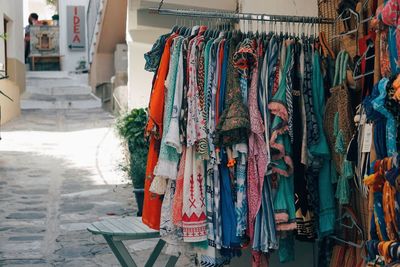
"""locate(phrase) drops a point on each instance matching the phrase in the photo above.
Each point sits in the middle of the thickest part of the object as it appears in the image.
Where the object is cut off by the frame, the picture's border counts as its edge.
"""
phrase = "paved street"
(59, 172)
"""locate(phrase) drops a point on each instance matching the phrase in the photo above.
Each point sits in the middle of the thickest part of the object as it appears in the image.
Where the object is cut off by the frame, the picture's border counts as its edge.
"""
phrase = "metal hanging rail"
(240, 16)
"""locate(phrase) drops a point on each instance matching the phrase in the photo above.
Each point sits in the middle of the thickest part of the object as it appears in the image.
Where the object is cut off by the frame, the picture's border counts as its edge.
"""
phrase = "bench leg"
(172, 261)
(156, 252)
(120, 251)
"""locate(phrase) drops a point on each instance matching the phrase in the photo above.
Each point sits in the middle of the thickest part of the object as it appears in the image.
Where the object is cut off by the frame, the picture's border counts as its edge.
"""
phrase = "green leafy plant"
(131, 128)
(52, 2)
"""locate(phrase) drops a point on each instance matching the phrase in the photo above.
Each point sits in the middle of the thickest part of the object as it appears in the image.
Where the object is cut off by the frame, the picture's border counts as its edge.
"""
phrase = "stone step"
(49, 79)
(59, 90)
(50, 82)
(42, 101)
(55, 75)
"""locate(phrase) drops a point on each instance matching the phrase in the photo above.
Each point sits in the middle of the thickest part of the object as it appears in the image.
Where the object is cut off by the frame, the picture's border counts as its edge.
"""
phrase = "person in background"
(33, 20)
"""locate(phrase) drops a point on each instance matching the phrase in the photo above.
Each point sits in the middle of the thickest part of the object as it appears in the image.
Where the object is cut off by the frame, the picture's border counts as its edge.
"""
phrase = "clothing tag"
(367, 140)
(363, 119)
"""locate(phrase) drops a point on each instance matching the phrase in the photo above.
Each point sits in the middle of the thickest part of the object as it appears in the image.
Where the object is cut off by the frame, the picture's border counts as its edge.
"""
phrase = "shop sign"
(76, 28)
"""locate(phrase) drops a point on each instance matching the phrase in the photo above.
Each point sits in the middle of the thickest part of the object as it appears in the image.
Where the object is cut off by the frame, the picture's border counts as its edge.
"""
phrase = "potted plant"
(131, 128)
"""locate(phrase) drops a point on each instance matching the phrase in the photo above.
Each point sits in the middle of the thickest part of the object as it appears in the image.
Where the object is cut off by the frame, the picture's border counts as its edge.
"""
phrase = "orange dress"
(152, 202)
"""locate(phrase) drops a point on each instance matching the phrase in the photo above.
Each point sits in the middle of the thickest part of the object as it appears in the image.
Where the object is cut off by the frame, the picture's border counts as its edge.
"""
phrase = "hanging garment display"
(228, 110)
(258, 139)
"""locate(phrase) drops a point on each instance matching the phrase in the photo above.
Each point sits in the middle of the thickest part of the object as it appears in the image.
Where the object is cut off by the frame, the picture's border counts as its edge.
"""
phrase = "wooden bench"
(115, 231)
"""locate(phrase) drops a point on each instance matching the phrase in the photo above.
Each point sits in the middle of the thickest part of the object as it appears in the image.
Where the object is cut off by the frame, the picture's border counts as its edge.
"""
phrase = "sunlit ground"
(97, 151)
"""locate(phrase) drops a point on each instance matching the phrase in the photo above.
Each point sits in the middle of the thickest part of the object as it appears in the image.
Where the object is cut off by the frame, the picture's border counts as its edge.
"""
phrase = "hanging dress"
(304, 212)
(152, 202)
(265, 238)
(246, 61)
(194, 219)
(168, 159)
(321, 150)
(281, 150)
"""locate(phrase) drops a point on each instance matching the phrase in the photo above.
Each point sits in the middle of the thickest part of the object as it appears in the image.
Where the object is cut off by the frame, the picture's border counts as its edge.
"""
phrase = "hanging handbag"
(338, 118)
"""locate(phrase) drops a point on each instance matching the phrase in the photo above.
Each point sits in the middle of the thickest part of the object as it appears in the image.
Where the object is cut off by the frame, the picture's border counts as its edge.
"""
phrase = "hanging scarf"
(389, 14)
(391, 130)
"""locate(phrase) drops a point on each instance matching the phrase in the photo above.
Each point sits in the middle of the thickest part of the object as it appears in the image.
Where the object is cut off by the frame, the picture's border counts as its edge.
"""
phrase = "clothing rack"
(240, 16)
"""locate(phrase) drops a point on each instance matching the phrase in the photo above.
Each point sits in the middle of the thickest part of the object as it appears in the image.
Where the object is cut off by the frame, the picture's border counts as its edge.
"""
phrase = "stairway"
(58, 90)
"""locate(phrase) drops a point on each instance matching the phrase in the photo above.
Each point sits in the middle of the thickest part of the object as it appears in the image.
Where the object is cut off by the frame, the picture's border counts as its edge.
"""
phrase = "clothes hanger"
(176, 26)
(263, 28)
(311, 37)
(245, 28)
(270, 27)
(293, 30)
(286, 35)
(224, 28)
(349, 215)
(207, 31)
(340, 18)
(250, 29)
(280, 29)
(359, 61)
(365, 8)
(215, 32)
(229, 31)
(256, 30)
(182, 29)
(193, 29)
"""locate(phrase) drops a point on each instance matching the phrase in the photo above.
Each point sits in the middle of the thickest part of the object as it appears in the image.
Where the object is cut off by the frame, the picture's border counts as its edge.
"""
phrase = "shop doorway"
(42, 35)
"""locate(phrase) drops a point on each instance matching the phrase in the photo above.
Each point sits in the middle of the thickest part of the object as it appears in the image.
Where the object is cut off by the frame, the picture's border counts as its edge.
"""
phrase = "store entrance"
(42, 38)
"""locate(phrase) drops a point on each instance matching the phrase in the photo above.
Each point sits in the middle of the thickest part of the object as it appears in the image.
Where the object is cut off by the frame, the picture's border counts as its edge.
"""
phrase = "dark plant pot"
(139, 195)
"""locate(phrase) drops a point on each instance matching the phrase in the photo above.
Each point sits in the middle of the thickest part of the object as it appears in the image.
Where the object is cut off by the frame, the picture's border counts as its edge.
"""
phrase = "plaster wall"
(281, 7)
(70, 58)
(112, 32)
(143, 29)
(12, 11)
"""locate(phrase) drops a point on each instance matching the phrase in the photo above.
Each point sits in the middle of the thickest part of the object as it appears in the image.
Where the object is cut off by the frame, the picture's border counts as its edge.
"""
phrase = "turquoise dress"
(284, 203)
(281, 154)
(321, 150)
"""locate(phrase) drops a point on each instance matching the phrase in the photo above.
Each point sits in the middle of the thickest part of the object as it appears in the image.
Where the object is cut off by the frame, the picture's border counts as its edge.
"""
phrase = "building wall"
(143, 29)
(70, 58)
(40, 7)
(101, 69)
(9, 110)
(15, 84)
(16, 73)
(112, 32)
(281, 7)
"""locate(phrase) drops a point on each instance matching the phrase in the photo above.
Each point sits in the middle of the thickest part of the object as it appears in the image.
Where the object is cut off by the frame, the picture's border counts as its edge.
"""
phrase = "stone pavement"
(59, 172)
